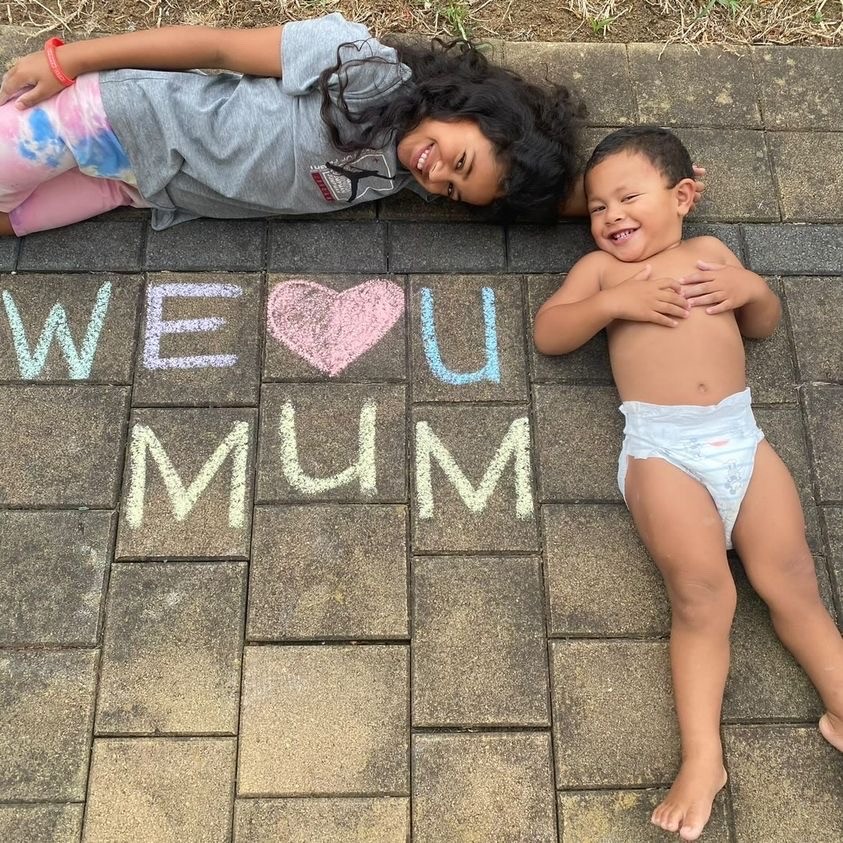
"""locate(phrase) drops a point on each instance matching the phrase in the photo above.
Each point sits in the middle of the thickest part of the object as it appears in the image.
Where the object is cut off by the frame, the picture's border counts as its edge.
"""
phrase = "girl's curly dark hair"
(533, 130)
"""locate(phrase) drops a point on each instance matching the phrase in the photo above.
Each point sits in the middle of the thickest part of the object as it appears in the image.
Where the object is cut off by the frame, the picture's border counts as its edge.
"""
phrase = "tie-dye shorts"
(713, 444)
(60, 161)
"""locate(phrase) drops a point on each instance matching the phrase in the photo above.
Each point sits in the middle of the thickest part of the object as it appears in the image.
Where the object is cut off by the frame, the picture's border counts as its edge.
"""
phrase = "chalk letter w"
(515, 445)
(183, 500)
(79, 363)
(363, 470)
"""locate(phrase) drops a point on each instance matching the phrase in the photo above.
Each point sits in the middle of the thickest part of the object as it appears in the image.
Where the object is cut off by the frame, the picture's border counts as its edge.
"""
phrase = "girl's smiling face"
(634, 213)
(453, 158)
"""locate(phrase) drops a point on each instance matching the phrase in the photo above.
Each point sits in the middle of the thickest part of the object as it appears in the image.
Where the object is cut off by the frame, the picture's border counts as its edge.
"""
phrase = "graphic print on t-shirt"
(352, 177)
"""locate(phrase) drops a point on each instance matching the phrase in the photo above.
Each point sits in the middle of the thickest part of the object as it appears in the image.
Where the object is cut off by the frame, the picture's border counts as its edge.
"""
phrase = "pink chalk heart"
(332, 329)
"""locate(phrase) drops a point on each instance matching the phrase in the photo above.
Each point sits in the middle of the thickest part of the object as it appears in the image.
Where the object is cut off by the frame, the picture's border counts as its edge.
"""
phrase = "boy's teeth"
(422, 159)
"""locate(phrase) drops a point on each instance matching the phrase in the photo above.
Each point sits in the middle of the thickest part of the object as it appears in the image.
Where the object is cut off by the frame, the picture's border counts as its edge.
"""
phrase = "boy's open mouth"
(620, 236)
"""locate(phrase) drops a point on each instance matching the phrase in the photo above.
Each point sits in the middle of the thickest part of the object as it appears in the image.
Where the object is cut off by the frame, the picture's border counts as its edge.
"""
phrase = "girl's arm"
(256, 52)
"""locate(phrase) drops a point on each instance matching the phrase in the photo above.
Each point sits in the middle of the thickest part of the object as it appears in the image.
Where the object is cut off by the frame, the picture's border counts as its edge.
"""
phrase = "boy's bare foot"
(687, 806)
(831, 728)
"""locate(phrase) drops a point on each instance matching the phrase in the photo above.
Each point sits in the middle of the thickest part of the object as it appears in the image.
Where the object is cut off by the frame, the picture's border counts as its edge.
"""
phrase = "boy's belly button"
(701, 387)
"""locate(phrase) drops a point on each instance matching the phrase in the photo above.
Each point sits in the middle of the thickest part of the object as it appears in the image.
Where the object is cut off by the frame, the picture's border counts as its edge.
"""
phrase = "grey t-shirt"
(225, 145)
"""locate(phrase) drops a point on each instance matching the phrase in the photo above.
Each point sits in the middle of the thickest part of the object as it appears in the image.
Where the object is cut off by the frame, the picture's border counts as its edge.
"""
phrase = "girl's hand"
(699, 187)
(640, 299)
(720, 287)
(30, 72)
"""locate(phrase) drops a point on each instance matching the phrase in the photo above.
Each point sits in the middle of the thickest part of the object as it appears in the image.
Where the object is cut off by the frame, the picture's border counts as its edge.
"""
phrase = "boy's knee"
(790, 581)
(700, 602)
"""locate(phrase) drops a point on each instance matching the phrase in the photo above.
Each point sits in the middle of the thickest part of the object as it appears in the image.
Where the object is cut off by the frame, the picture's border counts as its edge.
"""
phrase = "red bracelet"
(53, 61)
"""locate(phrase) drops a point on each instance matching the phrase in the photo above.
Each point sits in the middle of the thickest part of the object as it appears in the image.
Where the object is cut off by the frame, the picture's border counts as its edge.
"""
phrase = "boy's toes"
(666, 817)
(694, 823)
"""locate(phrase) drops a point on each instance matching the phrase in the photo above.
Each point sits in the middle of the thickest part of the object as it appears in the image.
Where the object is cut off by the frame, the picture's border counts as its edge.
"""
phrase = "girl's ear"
(685, 192)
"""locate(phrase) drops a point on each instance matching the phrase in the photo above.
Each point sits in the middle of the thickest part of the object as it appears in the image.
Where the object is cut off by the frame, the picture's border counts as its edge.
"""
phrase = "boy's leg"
(683, 532)
(68, 198)
(769, 536)
(6, 229)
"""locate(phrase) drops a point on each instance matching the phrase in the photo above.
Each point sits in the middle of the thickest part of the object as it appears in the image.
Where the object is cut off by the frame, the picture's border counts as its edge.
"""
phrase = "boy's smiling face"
(634, 213)
(452, 158)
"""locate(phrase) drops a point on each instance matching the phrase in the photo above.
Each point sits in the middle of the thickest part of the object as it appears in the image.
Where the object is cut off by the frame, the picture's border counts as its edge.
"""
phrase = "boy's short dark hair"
(662, 148)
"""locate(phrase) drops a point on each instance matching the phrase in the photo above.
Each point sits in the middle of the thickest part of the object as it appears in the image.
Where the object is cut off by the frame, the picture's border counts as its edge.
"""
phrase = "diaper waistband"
(734, 413)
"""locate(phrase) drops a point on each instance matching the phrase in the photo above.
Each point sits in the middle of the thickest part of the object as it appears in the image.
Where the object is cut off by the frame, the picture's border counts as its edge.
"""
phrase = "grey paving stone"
(467, 336)
(578, 438)
(327, 246)
(325, 720)
(786, 783)
(785, 431)
(407, 205)
(149, 790)
(547, 248)
(323, 442)
(600, 580)
(293, 820)
(322, 572)
(613, 714)
(479, 656)
(794, 249)
(824, 410)
(446, 247)
(483, 787)
(52, 576)
(621, 816)
(8, 253)
(187, 487)
(815, 307)
(588, 364)
(102, 308)
(473, 480)
(770, 363)
(741, 190)
(598, 73)
(833, 519)
(62, 445)
(47, 700)
(207, 244)
(809, 174)
(212, 364)
(729, 234)
(171, 650)
(41, 823)
(765, 682)
(16, 41)
(800, 86)
(335, 327)
(97, 246)
(699, 85)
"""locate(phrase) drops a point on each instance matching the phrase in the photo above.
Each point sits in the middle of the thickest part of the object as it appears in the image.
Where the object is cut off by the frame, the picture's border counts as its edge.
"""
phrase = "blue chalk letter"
(491, 371)
(78, 363)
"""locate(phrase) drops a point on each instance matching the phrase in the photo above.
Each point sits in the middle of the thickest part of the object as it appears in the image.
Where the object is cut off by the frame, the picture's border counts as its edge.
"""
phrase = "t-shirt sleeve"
(308, 47)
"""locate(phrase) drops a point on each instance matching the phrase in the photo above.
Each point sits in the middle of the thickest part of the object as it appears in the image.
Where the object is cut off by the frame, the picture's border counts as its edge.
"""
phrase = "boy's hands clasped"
(641, 299)
(720, 287)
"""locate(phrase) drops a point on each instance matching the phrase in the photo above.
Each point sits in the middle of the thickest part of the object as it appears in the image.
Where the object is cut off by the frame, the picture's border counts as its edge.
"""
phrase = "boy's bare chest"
(673, 263)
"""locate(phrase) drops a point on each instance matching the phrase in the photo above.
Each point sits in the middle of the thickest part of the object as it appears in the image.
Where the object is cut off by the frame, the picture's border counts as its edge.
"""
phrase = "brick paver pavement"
(261, 580)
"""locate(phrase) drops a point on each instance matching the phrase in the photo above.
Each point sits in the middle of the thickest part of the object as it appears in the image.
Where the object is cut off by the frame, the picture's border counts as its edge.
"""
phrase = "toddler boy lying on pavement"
(695, 471)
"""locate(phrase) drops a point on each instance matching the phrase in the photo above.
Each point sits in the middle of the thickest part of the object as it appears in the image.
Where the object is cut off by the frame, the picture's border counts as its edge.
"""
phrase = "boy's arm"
(256, 52)
(581, 307)
(727, 285)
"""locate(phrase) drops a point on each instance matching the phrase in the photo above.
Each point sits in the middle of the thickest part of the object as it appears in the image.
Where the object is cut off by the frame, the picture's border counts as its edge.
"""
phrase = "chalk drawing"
(79, 363)
(515, 445)
(331, 329)
(491, 371)
(363, 471)
(157, 326)
(183, 499)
